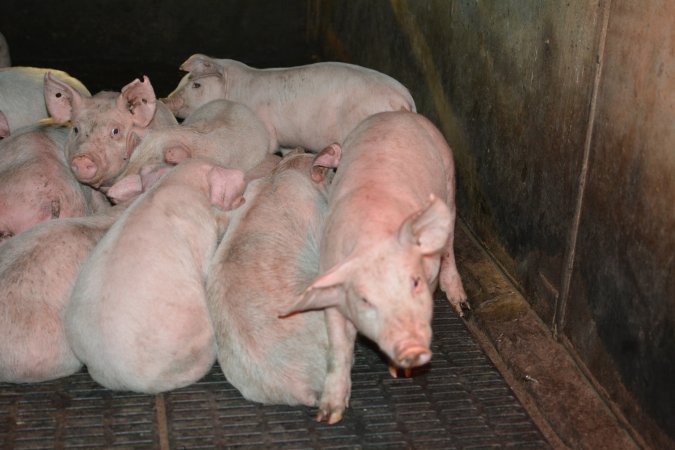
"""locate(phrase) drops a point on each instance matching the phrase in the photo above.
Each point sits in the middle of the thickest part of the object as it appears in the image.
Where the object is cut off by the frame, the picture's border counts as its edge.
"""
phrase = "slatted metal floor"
(458, 401)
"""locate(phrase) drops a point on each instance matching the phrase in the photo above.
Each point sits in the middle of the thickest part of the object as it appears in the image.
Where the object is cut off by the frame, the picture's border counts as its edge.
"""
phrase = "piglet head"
(382, 288)
(106, 128)
(204, 82)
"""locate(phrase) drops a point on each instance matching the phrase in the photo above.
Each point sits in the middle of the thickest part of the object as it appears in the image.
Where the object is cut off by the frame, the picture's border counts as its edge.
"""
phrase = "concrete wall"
(562, 120)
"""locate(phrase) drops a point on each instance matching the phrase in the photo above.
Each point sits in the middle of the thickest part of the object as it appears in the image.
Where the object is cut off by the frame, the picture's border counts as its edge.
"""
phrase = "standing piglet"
(389, 228)
(22, 101)
(106, 128)
(36, 183)
(37, 270)
(308, 106)
(138, 316)
(267, 257)
(228, 133)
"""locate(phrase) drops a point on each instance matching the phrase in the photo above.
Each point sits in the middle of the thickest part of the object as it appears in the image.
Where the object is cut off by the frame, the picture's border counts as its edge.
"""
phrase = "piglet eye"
(196, 85)
(416, 282)
(114, 132)
(365, 301)
(76, 130)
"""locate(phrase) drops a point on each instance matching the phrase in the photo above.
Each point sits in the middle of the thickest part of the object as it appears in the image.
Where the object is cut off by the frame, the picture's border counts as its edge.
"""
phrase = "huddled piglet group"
(288, 210)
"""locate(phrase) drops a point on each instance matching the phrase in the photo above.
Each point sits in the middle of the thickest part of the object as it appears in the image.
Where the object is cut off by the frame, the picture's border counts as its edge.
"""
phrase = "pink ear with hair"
(326, 159)
(325, 291)
(428, 228)
(133, 141)
(60, 98)
(138, 99)
(201, 65)
(226, 187)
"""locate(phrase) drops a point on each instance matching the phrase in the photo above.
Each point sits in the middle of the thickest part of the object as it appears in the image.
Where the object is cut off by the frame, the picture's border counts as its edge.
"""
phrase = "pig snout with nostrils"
(36, 183)
(309, 106)
(137, 316)
(106, 128)
(386, 244)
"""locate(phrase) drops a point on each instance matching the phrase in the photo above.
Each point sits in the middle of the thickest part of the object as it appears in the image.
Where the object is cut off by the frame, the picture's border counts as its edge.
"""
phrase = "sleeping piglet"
(388, 233)
(227, 133)
(268, 256)
(137, 316)
(36, 184)
(37, 270)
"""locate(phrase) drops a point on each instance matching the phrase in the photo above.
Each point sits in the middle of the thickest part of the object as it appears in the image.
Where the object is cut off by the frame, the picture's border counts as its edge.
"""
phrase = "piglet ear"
(152, 173)
(125, 189)
(60, 98)
(326, 159)
(226, 187)
(325, 291)
(428, 228)
(177, 153)
(133, 141)
(201, 66)
(4, 126)
(138, 98)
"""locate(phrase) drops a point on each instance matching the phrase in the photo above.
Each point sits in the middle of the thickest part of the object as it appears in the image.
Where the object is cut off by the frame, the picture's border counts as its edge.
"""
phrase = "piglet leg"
(450, 281)
(338, 383)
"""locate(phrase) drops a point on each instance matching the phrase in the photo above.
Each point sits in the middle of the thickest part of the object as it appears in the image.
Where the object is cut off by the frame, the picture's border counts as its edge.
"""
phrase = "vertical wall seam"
(568, 269)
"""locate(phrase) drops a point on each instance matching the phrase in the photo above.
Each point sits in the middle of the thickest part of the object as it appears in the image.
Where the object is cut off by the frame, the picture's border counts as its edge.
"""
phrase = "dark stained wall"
(561, 116)
(620, 314)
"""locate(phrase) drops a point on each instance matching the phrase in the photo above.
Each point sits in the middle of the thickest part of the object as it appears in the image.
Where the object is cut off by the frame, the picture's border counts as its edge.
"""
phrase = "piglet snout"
(83, 167)
(174, 103)
(412, 356)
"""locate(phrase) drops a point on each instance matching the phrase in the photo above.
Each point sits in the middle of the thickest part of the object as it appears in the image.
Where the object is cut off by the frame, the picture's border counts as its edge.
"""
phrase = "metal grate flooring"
(458, 401)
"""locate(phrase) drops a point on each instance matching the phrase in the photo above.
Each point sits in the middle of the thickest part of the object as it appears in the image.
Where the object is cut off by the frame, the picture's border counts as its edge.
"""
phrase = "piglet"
(267, 257)
(389, 228)
(36, 183)
(37, 270)
(22, 101)
(106, 128)
(308, 106)
(227, 133)
(137, 316)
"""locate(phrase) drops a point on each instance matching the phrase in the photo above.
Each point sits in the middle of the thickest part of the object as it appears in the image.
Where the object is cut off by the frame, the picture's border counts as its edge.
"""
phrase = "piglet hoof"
(329, 416)
(461, 307)
(393, 371)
